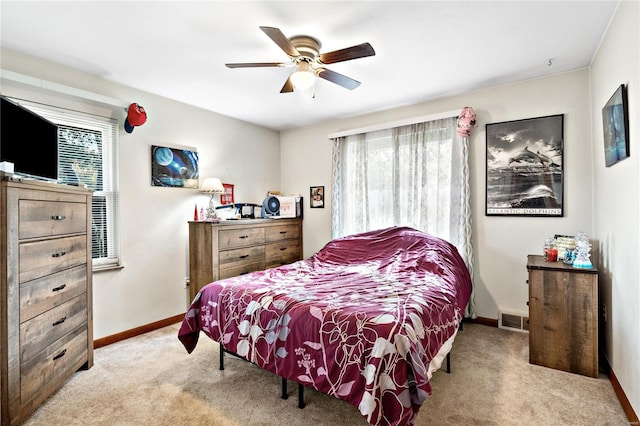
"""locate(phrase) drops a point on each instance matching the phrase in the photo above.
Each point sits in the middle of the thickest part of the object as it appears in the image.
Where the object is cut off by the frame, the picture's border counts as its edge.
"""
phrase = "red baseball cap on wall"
(136, 116)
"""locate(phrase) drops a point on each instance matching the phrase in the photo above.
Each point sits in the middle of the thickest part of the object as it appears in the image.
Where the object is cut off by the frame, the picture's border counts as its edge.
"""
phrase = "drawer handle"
(244, 256)
(283, 248)
(58, 217)
(60, 321)
(60, 355)
(283, 232)
(62, 253)
(242, 237)
(58, 288)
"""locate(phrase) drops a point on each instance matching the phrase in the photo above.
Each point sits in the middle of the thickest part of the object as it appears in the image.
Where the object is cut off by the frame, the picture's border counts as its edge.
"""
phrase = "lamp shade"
(304, 77)
(212, 186)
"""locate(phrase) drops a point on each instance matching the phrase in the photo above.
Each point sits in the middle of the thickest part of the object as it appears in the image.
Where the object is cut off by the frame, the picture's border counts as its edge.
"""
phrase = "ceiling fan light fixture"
(303, 77)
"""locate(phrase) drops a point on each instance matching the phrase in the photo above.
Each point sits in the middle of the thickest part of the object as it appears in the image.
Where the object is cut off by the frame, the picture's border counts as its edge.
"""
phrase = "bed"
(368, 319)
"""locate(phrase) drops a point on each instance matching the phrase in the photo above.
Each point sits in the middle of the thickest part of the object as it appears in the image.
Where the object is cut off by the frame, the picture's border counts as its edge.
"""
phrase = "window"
(413, 175)
(403, 176)
(87, 156)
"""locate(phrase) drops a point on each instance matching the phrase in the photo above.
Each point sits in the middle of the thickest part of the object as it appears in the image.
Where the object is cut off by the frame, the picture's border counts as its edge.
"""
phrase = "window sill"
(105, 268)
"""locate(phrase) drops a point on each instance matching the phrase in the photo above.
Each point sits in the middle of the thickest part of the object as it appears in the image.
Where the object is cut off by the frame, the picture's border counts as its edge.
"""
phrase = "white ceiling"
(424, 49)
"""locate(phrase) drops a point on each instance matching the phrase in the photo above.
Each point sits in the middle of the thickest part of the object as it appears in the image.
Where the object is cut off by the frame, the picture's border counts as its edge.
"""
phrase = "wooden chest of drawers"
(46, 329)
(230, 248)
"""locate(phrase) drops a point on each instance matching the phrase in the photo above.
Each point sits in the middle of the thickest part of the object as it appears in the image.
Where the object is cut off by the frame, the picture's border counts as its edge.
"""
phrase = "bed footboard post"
(284, 389)
(300, 396)
(221, 357)
(449, 363)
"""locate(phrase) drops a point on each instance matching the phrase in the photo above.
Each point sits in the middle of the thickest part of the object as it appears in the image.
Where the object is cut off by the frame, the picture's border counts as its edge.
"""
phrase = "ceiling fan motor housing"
(307, 46)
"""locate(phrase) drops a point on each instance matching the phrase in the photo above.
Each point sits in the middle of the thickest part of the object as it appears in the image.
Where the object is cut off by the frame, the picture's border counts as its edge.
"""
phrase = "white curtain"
(415, 175)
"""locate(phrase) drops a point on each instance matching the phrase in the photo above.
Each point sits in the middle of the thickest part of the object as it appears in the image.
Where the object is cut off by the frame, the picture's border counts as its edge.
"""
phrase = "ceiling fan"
(304, 53)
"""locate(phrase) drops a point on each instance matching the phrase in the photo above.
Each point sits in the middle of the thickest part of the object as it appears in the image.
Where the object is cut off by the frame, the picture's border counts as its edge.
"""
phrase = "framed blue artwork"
(173, 167)
(615, 125)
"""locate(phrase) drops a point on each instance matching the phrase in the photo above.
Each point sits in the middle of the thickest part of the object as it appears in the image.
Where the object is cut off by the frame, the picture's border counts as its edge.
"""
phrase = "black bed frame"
(284, 393)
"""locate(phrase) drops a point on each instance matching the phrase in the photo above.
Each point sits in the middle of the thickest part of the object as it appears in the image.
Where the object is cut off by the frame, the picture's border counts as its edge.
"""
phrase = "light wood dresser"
(235, 247)
(46, 326)
(563, 316)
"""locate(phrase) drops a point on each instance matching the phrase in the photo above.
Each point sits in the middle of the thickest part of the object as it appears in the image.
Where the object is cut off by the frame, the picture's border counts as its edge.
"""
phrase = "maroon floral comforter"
(367, 319)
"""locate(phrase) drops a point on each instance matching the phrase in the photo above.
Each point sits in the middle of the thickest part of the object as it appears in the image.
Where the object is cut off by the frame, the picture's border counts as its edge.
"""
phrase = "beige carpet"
(151, 380)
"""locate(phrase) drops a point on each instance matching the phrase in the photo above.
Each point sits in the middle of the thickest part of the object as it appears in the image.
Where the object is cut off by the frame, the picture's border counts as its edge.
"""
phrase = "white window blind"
(87, 155)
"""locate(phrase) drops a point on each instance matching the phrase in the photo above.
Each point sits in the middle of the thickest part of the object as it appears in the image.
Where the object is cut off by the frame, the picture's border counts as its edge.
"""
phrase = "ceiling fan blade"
(281, 40)
(353, 52)
(337, 78)
(256, 64)
(288, 86)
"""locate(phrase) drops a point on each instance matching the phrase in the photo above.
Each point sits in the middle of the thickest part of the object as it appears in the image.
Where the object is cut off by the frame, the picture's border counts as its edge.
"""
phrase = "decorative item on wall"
(615, 125)
(227, 197)
(317, 197)
(466, 121)
(136, 116)
(525, 173)
(174, 167)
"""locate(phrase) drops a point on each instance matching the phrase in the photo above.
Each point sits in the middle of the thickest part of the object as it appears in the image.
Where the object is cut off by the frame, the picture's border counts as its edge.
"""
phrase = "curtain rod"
(405, 122)
(61, 88)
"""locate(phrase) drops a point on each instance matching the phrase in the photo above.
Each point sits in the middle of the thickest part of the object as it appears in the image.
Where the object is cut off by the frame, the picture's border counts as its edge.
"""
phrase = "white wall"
(617, 200)
(501, 244)
(153, 220)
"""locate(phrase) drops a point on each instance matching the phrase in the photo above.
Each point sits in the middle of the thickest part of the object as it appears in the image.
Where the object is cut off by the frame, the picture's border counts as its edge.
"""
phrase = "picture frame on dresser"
(525, 167)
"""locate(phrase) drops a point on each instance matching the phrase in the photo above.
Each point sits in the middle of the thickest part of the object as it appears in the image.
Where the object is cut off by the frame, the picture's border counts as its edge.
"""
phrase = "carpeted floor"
(151, 380)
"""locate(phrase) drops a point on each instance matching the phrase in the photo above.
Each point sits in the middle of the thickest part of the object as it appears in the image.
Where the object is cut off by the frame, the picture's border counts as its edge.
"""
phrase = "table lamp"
(212, 186)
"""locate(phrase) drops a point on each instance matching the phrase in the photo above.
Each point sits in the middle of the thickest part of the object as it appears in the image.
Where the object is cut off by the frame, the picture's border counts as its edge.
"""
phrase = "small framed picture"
(317, 197)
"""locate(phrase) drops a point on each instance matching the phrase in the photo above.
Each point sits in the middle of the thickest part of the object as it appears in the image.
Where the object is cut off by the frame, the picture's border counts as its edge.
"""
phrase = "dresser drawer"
(41, 331)
(233, 238)
(42, 294)
(54, 360)
(41, 258)
(50, 218)
(283, 232)
(241, 256)
(281, 253)
(240, 270)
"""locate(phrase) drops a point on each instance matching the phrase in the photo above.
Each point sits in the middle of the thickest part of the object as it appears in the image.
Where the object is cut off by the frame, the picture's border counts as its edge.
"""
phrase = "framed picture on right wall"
(615, 125)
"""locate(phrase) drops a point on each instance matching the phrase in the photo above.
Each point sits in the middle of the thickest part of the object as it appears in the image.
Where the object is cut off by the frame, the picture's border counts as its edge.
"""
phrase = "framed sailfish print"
(525, 172)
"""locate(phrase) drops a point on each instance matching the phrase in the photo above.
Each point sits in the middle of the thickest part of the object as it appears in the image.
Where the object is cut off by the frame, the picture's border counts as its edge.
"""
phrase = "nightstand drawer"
(234, 238)
(54, 360)
(40, 295)
(284, 232)
(41, 258)
(41, 331)
(282, 253)
(49, 218)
